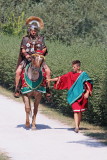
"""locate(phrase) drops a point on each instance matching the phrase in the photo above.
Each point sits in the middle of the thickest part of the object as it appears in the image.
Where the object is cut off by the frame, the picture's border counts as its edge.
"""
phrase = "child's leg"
(76, 119)
(79, 118)
(77, 115)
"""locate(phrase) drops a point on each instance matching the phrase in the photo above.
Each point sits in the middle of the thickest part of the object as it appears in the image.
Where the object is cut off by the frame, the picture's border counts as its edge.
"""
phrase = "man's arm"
(52, 79)
(23, 47)
(25, 54)
(44, 48)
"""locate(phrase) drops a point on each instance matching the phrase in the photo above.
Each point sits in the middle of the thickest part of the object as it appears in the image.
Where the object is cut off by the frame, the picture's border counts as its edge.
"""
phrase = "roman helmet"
(34, 23)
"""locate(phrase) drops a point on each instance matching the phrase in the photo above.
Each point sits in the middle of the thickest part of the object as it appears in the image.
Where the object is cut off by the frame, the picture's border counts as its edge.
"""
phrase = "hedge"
(93, 58)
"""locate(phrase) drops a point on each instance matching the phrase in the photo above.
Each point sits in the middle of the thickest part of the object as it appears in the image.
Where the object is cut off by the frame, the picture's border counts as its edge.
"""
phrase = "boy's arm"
(88, 92)
(61, 82)
(89, 87)
(52, 79)
(56, 80)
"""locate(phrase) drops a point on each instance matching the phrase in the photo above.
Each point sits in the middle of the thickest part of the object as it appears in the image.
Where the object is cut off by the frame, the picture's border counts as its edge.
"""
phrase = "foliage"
(8, 55)
(3, 156)
(93, 60)
(14, 24)
(66, 20)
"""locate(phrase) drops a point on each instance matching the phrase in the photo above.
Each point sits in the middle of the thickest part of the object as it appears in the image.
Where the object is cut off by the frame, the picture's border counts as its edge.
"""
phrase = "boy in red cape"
(79, 87)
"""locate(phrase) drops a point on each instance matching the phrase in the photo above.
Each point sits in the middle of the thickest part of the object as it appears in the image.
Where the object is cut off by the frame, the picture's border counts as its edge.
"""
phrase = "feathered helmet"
(34, 23)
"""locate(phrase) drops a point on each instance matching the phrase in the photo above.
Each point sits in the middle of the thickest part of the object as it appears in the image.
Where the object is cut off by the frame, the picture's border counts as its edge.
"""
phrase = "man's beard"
(33, 36)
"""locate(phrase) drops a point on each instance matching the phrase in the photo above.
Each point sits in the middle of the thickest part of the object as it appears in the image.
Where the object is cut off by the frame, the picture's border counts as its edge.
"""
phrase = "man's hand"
(28, 57)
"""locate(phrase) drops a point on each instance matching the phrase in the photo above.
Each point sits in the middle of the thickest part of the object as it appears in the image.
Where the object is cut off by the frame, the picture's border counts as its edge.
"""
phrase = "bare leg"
(38, 97)
(26, 101)
(77, 118)
(48, 76)
(48, 73)
(17, 80)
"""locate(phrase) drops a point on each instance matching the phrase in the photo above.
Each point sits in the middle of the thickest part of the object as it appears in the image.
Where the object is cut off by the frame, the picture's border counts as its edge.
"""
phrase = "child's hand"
(48, 80)
(52, 80)
(86, 95)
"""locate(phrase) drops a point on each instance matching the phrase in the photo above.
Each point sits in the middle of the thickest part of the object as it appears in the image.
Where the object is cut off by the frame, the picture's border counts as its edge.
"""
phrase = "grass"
(3, 156)
(97, 132)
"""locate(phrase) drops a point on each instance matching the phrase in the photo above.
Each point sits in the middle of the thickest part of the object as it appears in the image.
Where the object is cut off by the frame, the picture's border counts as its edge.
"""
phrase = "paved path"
(51, 141)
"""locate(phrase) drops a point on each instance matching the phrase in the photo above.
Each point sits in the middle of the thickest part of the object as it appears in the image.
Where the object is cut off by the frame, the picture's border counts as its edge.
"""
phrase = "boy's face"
(75, 68)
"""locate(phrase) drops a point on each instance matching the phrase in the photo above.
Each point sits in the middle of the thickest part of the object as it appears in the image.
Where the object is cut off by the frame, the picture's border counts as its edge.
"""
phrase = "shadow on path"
(89, 143)
(69, 129)
(42, 126)
(22, 126)
(38, 126)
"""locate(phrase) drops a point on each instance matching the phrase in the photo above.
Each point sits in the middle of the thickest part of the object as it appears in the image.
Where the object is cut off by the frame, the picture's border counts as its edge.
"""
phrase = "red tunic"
(65, 82)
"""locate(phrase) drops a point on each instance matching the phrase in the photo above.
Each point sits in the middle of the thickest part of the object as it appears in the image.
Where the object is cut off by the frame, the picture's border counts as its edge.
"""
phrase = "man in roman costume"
(31, 43)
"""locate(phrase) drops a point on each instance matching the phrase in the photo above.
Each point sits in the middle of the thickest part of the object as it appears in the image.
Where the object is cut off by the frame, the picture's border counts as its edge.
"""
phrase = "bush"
(8, 59)
(93, 60)
(64, 20)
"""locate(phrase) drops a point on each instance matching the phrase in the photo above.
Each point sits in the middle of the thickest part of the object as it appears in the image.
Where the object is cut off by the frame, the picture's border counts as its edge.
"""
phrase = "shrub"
(93, 60)
(64, 20)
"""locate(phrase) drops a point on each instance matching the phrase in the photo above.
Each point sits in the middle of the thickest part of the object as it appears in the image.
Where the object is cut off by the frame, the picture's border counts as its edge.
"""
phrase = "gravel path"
(51, 141)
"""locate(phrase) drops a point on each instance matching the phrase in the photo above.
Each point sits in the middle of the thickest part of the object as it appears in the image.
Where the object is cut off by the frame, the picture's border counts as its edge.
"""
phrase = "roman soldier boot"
(17, 90)
(48, 94)
(17, 93)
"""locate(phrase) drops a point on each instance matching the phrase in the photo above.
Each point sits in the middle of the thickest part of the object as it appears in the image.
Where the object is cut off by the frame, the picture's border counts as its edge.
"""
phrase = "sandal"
(48, 94)
(17, 93)
(76, 130)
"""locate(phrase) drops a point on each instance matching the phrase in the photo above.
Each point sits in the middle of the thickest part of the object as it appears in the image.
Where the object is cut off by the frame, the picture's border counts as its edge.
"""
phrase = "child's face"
(75, 67)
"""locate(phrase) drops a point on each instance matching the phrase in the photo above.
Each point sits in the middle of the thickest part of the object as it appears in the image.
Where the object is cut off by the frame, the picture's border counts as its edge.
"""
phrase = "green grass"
(3, 156)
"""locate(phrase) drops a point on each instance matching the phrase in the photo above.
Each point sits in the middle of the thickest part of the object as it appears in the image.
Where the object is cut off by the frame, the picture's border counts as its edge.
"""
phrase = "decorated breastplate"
(33, 45)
